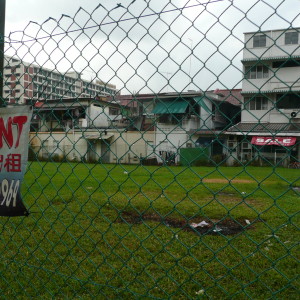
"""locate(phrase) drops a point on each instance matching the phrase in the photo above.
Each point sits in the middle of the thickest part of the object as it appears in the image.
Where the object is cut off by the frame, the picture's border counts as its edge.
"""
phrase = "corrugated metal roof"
(265, 127)
(98, 136)
(270, 91)
(232, 96)
(271, 58)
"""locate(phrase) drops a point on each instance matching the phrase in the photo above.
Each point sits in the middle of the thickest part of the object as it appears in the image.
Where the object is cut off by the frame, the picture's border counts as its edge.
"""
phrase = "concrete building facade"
(179, 121)
(271, 93)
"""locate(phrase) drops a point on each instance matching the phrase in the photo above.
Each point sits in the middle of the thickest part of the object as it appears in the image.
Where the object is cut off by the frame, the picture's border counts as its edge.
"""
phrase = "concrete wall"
(121, 147)
(275, 45)
(100, 116)
(206, 120)
(270, 115)
(279, 79)
(129, 146)
(169, 139)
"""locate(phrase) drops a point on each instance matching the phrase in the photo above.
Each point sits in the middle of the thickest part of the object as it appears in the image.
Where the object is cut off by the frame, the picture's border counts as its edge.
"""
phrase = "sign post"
(14, 136)
(2, 33)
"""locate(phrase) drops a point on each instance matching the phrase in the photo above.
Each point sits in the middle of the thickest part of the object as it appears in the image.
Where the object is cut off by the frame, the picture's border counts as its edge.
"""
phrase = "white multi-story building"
(25, 82)
(270, 122)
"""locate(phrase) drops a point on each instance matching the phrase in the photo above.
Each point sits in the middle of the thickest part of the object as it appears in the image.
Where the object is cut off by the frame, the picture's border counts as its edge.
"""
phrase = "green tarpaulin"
(170, 107)
(201, 102)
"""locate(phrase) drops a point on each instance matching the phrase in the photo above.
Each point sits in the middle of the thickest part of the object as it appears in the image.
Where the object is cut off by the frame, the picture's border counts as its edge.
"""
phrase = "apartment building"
(269, 130)
(24, 82)
(85, 129)
(193, 119)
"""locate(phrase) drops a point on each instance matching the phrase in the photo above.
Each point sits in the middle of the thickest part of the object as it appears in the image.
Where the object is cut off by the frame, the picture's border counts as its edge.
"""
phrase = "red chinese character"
(13, 163)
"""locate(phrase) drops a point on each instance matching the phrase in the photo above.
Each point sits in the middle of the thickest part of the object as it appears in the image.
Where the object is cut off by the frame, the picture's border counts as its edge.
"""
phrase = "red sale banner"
(279, 141)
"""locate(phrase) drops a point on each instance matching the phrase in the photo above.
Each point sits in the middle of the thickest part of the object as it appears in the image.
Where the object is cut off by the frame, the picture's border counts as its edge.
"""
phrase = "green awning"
(170, 107)
(201, 102)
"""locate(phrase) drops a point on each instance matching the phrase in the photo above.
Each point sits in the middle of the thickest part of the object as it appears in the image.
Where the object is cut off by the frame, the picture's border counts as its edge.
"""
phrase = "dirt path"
(220, 180)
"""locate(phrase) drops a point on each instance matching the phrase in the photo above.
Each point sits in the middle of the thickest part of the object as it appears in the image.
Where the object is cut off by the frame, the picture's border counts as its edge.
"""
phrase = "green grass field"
(109, 231)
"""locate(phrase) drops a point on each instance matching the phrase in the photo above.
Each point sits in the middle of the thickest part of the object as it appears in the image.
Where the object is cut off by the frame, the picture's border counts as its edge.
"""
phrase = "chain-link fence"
(164, 152)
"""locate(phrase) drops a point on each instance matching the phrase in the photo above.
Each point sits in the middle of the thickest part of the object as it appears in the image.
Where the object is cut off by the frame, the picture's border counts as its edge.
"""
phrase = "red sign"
(279, 141)
(14, 134)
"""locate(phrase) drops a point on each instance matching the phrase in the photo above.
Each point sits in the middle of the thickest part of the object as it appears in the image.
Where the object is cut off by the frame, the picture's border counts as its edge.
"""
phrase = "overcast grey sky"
(199, 47)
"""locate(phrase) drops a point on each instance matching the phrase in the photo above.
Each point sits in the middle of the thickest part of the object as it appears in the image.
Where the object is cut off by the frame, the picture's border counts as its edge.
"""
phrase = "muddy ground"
(213, 227)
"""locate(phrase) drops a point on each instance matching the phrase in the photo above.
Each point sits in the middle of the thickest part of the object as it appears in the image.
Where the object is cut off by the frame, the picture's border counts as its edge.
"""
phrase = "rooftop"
(270, 30)
(232, 96)
(271, 128)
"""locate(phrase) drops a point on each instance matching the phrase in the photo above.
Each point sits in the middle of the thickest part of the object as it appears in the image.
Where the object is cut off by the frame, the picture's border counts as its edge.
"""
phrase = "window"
(259, 41)
(256, 103)
(288, 101)
(175, 119)
(256, 72)
(291, 38)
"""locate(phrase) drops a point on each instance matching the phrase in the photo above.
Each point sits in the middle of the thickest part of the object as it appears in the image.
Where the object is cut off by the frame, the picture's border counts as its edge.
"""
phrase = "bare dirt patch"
(213, 227)
(225, 194)
(220, 180)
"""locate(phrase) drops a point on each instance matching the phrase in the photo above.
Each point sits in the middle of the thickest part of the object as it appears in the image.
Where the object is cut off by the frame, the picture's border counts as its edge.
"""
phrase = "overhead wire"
(113, 22)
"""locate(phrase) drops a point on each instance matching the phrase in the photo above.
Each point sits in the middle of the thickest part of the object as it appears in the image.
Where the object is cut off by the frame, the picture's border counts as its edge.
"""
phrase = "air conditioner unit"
(246, 146)
(231, 145)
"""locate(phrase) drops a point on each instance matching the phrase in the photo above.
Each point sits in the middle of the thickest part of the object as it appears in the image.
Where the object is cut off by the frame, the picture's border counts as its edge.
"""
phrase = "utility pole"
(2, 33)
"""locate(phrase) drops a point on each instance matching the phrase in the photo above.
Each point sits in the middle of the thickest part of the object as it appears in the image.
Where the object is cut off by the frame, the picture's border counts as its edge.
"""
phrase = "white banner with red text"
(14, 135)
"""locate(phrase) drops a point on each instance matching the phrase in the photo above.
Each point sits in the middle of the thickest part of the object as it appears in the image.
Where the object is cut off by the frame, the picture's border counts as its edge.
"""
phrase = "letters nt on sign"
(6, 132)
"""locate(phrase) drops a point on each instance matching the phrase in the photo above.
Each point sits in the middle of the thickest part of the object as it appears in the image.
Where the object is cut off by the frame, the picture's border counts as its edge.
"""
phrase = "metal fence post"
(2, 33)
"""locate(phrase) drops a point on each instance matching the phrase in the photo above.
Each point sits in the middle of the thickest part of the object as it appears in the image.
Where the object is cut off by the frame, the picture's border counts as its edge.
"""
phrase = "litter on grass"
(201, 224)
(215, 227)
(201, 292)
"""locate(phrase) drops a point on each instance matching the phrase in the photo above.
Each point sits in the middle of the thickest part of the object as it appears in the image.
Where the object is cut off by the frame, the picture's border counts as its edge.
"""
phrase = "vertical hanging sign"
(14, 136)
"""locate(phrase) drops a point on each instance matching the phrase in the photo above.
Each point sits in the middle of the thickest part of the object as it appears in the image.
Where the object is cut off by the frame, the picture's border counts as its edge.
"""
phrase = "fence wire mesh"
(164, 152)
